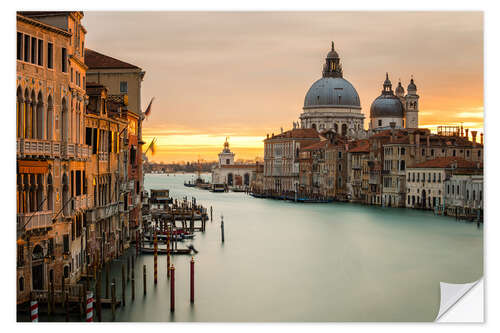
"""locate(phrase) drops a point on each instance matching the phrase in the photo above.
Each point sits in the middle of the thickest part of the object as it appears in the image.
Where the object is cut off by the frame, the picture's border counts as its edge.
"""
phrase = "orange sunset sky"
(245, 74)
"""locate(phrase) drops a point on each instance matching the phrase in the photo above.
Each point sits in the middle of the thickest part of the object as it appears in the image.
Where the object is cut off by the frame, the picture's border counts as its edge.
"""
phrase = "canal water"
(292, 262)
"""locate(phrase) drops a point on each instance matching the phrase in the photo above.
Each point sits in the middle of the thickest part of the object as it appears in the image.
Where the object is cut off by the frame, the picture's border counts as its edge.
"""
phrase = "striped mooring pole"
(90, 307)
(34, 311)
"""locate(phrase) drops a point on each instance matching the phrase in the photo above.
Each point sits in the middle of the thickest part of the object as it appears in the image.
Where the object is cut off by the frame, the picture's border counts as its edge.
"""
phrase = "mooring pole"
(113, 298)
(156, 259)
(211, 214)
(98, 296)
(133, 281)
(144, 278)
(128, 268)
(191, 298)
(107, 280)
(222, 228)
(123, 285)
(66, 304)
(172, 288)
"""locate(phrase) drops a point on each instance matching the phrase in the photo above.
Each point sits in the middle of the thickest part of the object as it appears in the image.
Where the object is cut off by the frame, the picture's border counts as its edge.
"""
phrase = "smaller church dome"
(386, 106)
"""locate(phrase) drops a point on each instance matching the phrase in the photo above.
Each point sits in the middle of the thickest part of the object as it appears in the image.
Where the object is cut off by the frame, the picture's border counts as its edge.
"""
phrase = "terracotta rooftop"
(317, 145)
(446, 162)
(96, 60)
(298, 133)
(362, 146)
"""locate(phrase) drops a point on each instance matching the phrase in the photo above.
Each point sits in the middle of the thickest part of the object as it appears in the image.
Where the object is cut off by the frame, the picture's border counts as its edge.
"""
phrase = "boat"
(218, 188)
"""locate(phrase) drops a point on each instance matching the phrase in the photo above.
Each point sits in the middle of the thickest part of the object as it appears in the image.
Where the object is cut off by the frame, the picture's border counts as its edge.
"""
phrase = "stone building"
(281, 159)
(335, 184)
(357, 165)
(123, 82)
(229, 173)
(332, 102)
(106, 219)
(463, 192)
(52, 156)
(425, 181)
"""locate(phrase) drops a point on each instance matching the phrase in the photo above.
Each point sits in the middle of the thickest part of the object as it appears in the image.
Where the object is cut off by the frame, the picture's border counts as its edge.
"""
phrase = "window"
(468, 153)
(40, 52)
(434, 177)
(84, 182)
(78, 182)
(123, 87)
(478, 153)
(64, 60)
(454, 153)
(19, 46)
(340, 154)
(26, 48)
(423, 152)
(21, 284)
(439, 178)
(66, 243)
(432, 152)
(50, 55)
(33, 50)
(380, 122)
(402, 151)
(227, 161)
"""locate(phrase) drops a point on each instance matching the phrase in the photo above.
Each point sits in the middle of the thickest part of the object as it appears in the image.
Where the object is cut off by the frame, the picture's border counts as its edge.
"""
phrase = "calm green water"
(283, 261)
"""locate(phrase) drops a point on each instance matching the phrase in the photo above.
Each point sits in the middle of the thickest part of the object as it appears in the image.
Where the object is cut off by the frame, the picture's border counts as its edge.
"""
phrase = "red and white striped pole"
(90, 307)
(34, 311)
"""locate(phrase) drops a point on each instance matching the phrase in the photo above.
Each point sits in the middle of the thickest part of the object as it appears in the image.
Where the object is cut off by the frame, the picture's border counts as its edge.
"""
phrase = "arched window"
(246, 179)
(33, 115)
(27, 115)
(64, 121)
(336, 127)
(21, 284)
(39, 117)
(313, 126)
(50, 118)
(39, 192)
(20, 113)
(50, 193)
(66, 271)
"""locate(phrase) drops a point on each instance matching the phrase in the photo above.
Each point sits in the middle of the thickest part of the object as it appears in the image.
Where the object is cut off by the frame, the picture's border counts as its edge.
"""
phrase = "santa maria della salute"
(332, 103)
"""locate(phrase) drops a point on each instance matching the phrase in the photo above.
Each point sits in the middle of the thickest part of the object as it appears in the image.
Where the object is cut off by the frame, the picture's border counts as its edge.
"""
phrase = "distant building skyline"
(245, 74)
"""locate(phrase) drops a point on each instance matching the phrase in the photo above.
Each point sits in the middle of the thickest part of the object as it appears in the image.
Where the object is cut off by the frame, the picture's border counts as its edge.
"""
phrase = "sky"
(245, 74)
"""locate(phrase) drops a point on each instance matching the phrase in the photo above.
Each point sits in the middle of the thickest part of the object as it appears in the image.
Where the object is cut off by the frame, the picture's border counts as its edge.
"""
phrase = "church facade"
(229, 173)
(332, 102)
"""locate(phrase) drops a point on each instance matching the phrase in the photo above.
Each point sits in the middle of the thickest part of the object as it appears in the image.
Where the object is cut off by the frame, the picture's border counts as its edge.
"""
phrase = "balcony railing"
(36, 220)
(51, 149)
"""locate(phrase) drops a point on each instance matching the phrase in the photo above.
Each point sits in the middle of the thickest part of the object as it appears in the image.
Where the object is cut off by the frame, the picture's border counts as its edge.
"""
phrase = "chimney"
(412, 138)
(467, 133)
(461, 130)
(474, 133)
(294, 125)
(428, 141)
(281, 130)
(482, 138)
(268, 135)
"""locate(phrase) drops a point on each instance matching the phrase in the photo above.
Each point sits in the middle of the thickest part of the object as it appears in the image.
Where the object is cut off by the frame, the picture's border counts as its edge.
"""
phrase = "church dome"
(332, 92)
(386, 106)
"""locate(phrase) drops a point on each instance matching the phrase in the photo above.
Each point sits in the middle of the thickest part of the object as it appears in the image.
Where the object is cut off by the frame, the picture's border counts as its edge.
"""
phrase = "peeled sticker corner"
(451, 293)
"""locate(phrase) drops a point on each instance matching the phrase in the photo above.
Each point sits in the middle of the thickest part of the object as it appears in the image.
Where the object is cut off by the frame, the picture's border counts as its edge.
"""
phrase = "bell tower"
(411, 106)
(226, 157)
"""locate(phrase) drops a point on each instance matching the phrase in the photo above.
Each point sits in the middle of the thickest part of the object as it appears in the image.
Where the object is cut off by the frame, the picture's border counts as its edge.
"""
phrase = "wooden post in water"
(155, 259)
(222, 228)
(172, 288)
(123, 284)
(107, 280)
(128, 268)
(211, 214)
(168, 264)
(133, 281)
(191, 298)
(144, 278)
(52, 298)
(98, 296)
(80, 290)
(66, 303)
(62, 291)
(113, 298)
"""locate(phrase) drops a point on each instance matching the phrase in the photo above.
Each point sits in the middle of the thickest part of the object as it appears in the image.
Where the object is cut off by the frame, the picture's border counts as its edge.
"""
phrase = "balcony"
(38, 147)
(68, 150)
(103, 212)
(37, 220)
